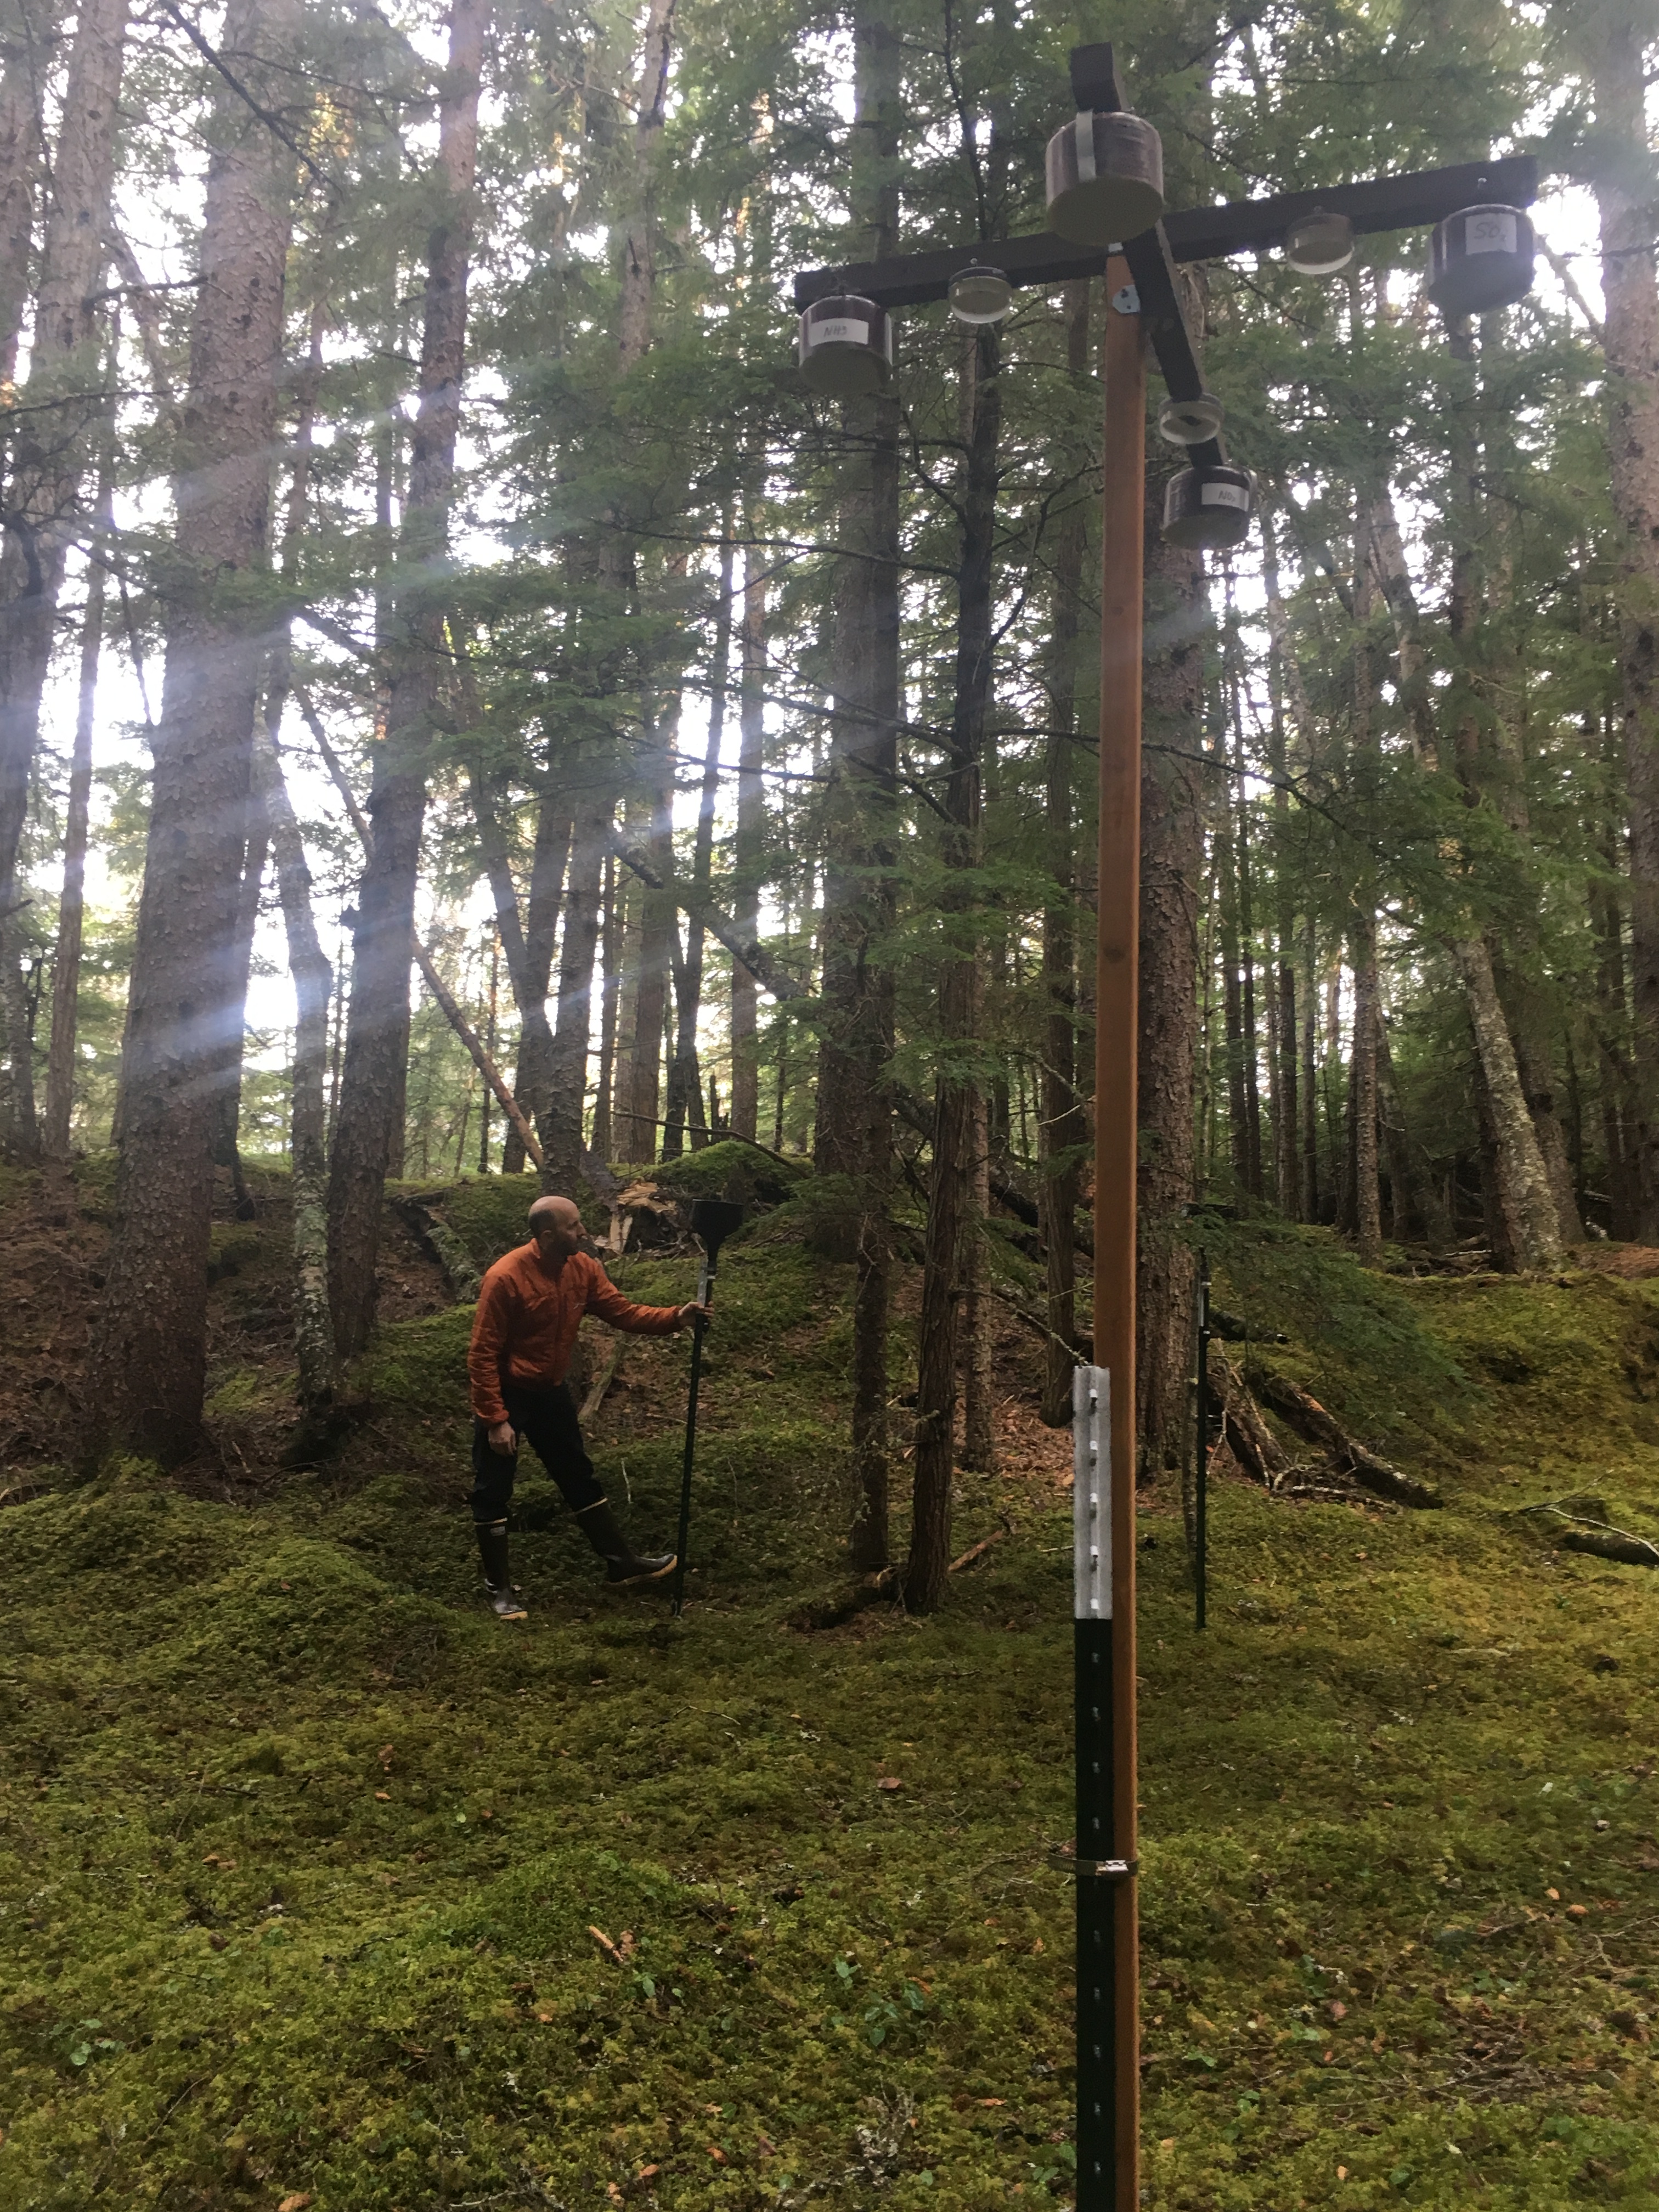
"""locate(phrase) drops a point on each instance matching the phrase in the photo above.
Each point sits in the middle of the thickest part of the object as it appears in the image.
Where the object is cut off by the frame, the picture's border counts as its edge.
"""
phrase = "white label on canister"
(1491, 231)
(1222, 495)
(1085, 148)
(840, 332)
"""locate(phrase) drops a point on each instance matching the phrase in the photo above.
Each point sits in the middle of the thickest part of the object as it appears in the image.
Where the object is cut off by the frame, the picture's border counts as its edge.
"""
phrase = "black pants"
(546, 1419)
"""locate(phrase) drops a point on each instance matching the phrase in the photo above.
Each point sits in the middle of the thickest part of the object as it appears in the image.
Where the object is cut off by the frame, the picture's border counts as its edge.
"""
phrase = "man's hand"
(689, 1313)
(502, 1440)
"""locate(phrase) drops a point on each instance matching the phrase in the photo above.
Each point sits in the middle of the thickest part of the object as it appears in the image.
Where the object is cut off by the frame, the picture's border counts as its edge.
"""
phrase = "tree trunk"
(1308, 1182)
(148, 1359)
(1367, 1023)
(1284, 687)
(1249, 1051)
(550, 858)
(227, 1075)
(562, 1168)
(71, 906)
(62, 404)
(1062, 1124)
(1536, 1222)
(1172, 811)
(751, 818)
(852, 1127)
(491, 1045)
(684, 1083)
(19, 178)
(949, 1217)
(1232, 997)
(658, 935)
(527, 945)
(611, 978)
(979, 1442)
(377, 1036)
(313, 988)
(1623, 195)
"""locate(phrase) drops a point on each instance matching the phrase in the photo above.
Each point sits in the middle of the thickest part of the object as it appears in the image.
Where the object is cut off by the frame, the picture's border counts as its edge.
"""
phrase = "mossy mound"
(489, 1214)
(728, 1169)
(320, 1882)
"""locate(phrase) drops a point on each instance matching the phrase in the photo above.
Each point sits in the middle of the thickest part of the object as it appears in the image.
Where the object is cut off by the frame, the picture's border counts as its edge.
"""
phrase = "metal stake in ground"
(713, 1220)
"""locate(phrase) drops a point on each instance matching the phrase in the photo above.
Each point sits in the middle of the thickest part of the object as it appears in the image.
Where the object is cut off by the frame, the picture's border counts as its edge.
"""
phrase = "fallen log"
(1256, 1448)
(1310, 1419)
(602, 1381)
(885, 1586)
(1594, 1532)
(439, 1241)
(1611, 1543)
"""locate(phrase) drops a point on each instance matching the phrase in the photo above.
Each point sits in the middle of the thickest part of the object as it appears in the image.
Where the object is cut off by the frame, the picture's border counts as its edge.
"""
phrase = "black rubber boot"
(623, 1565)
(504, 1599)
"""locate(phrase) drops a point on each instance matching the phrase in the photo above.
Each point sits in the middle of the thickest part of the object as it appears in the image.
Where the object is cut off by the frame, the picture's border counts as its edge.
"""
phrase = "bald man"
(530, 1308)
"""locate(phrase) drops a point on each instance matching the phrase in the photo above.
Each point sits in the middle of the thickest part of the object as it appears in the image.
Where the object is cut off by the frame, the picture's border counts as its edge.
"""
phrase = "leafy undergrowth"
(320, 1883)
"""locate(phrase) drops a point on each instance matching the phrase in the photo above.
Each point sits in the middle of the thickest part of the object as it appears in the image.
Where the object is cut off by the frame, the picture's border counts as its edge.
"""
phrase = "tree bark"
(852, 1127)
(527, 945)
(1367, 1023)
(979, 1444)
(549, 857)
(658, 932)
(313, 988)
(610, 983)
(20, 179)
(147, 1363)
(1172, 812)
(949, 1215)
(1308, 1180)
(1622, 194)
(62, 404)
(562, 1168)
(684, 1083)
(377, 1035)
(1536, 1222)
(71, 905)
(751, 818)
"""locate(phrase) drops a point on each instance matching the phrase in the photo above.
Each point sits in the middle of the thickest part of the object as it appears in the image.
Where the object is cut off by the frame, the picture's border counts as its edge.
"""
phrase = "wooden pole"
(1123, 560)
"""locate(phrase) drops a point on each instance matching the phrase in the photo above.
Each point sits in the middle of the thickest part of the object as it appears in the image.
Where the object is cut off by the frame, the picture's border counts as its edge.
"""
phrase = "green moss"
(489, 1213)
(729, 1169)
(302, 1851)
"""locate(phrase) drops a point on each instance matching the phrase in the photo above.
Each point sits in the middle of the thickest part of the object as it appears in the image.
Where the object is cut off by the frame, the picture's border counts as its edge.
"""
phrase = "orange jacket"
(525, 1328)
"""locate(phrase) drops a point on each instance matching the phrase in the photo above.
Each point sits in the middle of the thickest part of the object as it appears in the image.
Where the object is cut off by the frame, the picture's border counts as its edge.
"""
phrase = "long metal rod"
(1116, 1002)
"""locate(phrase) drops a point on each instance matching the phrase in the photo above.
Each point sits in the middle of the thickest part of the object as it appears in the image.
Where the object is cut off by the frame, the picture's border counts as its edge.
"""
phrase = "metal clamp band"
(1101, 1869)
(1084, 134)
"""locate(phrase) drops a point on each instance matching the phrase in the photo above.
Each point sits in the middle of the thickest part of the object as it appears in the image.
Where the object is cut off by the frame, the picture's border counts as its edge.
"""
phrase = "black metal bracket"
(1380, 204)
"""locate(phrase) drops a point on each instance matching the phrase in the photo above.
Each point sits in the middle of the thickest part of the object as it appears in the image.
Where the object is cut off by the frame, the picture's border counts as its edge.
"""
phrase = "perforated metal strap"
(1092, 1493)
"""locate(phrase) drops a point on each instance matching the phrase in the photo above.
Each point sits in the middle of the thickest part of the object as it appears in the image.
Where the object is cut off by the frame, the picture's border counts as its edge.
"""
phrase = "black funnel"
(713, 1220)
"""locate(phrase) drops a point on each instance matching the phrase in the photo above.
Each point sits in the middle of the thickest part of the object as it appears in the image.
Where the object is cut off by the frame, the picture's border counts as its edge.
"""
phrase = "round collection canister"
(1209, 507)
(1480, 259)
(845, 346)
(1105, 179)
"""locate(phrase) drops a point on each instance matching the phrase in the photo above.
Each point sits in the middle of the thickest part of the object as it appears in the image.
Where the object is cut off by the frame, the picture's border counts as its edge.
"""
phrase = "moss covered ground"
(320, 1887)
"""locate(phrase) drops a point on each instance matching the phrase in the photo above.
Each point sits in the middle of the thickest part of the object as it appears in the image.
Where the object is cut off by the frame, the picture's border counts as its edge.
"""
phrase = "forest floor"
(319, 1887)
